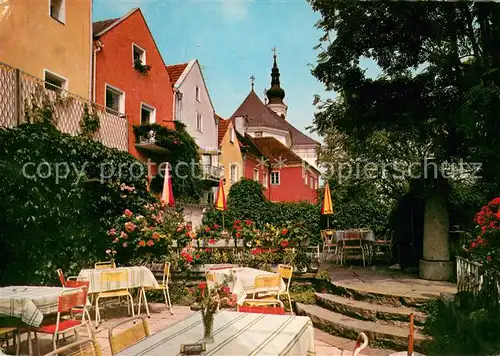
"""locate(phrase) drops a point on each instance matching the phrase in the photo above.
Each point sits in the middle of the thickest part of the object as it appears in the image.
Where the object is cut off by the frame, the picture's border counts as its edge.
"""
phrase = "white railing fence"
(20, 91)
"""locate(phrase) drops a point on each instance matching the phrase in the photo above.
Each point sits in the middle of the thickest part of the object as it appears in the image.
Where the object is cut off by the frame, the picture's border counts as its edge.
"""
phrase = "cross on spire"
(274, 50)
(252, 81)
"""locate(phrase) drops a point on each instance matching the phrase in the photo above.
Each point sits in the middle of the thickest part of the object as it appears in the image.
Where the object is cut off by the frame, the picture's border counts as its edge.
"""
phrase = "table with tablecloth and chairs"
(31, 304)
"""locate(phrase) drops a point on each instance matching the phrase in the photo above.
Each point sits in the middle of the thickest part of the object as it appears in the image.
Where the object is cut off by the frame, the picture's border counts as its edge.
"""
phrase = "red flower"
(284, 231)
(211, 241)
(498, 214)
(112, 232)
(248, 222)
(495, 201)
(125, 244)
(216, 226)
(237, 222)
(128, 213)
(123, 235)
(256, 251)
(155, 235)
(150, 243)
(473, 245)
(238, 227)
(197, 256)
(202, 285)
(226, 290)
(130, 226)
(141, 243)
(207, 250)
(207, 229)
(489, 258)
(284, 243)
(238, 235)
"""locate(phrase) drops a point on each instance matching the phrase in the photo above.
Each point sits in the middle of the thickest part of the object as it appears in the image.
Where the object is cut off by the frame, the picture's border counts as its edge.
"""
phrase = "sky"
(233, 40)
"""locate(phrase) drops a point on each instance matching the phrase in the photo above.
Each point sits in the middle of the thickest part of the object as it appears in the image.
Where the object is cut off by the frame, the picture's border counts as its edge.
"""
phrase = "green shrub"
(49, 223)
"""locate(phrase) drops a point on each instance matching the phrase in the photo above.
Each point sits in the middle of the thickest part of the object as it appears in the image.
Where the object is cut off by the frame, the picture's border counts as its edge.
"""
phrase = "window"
(305, 178)
(211, 198)
(199, 126)
(256, 175)
(231, 135)
(138, 54)
(57, 9)
(311, 182)
(115, 100)
(258, 134)
(148, 114)
(275, 178)
(264, 179)
(54, 82)
(178, 108)
(316, 184)
(198, 94)
(234, 173)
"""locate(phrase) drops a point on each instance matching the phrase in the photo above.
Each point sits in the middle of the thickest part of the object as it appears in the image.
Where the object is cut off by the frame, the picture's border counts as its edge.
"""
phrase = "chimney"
(239, 125)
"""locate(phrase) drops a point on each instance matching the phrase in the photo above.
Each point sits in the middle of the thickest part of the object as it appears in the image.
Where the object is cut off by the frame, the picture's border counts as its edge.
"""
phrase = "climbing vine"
(90, 122)
(183, 156)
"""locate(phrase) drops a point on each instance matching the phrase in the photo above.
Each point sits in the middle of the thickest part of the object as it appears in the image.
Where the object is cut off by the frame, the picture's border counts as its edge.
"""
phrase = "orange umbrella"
(220, 201)
(327, 208)
(167, 195)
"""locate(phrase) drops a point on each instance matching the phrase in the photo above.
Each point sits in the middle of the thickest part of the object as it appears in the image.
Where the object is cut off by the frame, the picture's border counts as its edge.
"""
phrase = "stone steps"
(368, 311)
(370, 296)
(379, 335)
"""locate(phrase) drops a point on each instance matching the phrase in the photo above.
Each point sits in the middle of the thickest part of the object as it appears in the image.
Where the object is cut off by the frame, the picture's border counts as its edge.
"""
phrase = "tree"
(437, 95)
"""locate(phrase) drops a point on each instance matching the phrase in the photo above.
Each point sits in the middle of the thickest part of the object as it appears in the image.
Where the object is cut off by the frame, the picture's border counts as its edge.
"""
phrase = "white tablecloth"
(235, 334)
(244, 278)
(29, 303)
(137, 277)
(367, 235)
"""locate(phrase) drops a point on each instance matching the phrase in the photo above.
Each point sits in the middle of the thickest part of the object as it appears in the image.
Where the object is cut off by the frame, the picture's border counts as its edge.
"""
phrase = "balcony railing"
(212, 172)
(20, 91)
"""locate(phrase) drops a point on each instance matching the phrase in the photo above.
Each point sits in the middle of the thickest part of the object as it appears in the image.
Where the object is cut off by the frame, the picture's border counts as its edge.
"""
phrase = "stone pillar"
(436, 264)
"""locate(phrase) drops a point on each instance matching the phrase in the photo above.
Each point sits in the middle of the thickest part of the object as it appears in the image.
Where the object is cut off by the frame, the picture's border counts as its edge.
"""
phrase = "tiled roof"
(258, 114)
(223, 125)
(175, 71)
(275, 151)
(248, 147)
(101, 25)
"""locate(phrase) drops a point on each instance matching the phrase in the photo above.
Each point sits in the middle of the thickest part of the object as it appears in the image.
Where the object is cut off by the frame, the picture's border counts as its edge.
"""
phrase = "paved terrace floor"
(326, 345)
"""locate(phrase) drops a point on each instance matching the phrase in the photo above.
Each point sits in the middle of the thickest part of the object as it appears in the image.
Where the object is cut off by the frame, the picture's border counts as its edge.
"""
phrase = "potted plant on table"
(211, 299)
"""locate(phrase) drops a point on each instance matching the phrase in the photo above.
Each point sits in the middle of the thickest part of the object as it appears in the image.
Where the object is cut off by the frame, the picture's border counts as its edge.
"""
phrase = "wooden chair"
(104, 265)
(67, 301)
(128, 337)
(351, 242)
(286, 272)
(161, 286)
(86, 347)
(211, 277)
(5, 335)
(383, 244)
(120, 278)
(329, 242)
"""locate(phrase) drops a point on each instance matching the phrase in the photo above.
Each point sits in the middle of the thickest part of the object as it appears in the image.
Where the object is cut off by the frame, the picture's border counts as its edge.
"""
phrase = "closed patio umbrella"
(327, 206)
(220, 200)
(167, 195)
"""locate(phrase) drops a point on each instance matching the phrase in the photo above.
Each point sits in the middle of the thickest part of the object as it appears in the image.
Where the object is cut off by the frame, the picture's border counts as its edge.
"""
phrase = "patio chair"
(286, 272)
(63, 280)
(67, 301)
(269, 285)
(104, 265)
(329, 242)
(381, 244)
(128, 337)
(261, 306)
(5, 335)
(86, 347)
(351, 243)
(120, 278)
(161, 286)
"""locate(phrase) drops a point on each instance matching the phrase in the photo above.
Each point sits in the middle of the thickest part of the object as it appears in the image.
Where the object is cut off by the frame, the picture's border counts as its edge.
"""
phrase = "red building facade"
(130, 75)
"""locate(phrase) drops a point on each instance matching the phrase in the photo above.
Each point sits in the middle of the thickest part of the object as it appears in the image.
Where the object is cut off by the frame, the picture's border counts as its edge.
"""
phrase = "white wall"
(207, 139)
(282, 137)
(307, 154)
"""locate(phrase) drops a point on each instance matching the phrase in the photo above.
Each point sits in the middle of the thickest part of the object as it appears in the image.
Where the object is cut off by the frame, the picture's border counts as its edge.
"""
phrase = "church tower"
(275, 94)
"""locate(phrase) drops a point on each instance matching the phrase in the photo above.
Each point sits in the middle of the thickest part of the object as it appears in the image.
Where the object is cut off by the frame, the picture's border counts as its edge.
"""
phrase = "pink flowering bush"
(148, 231)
